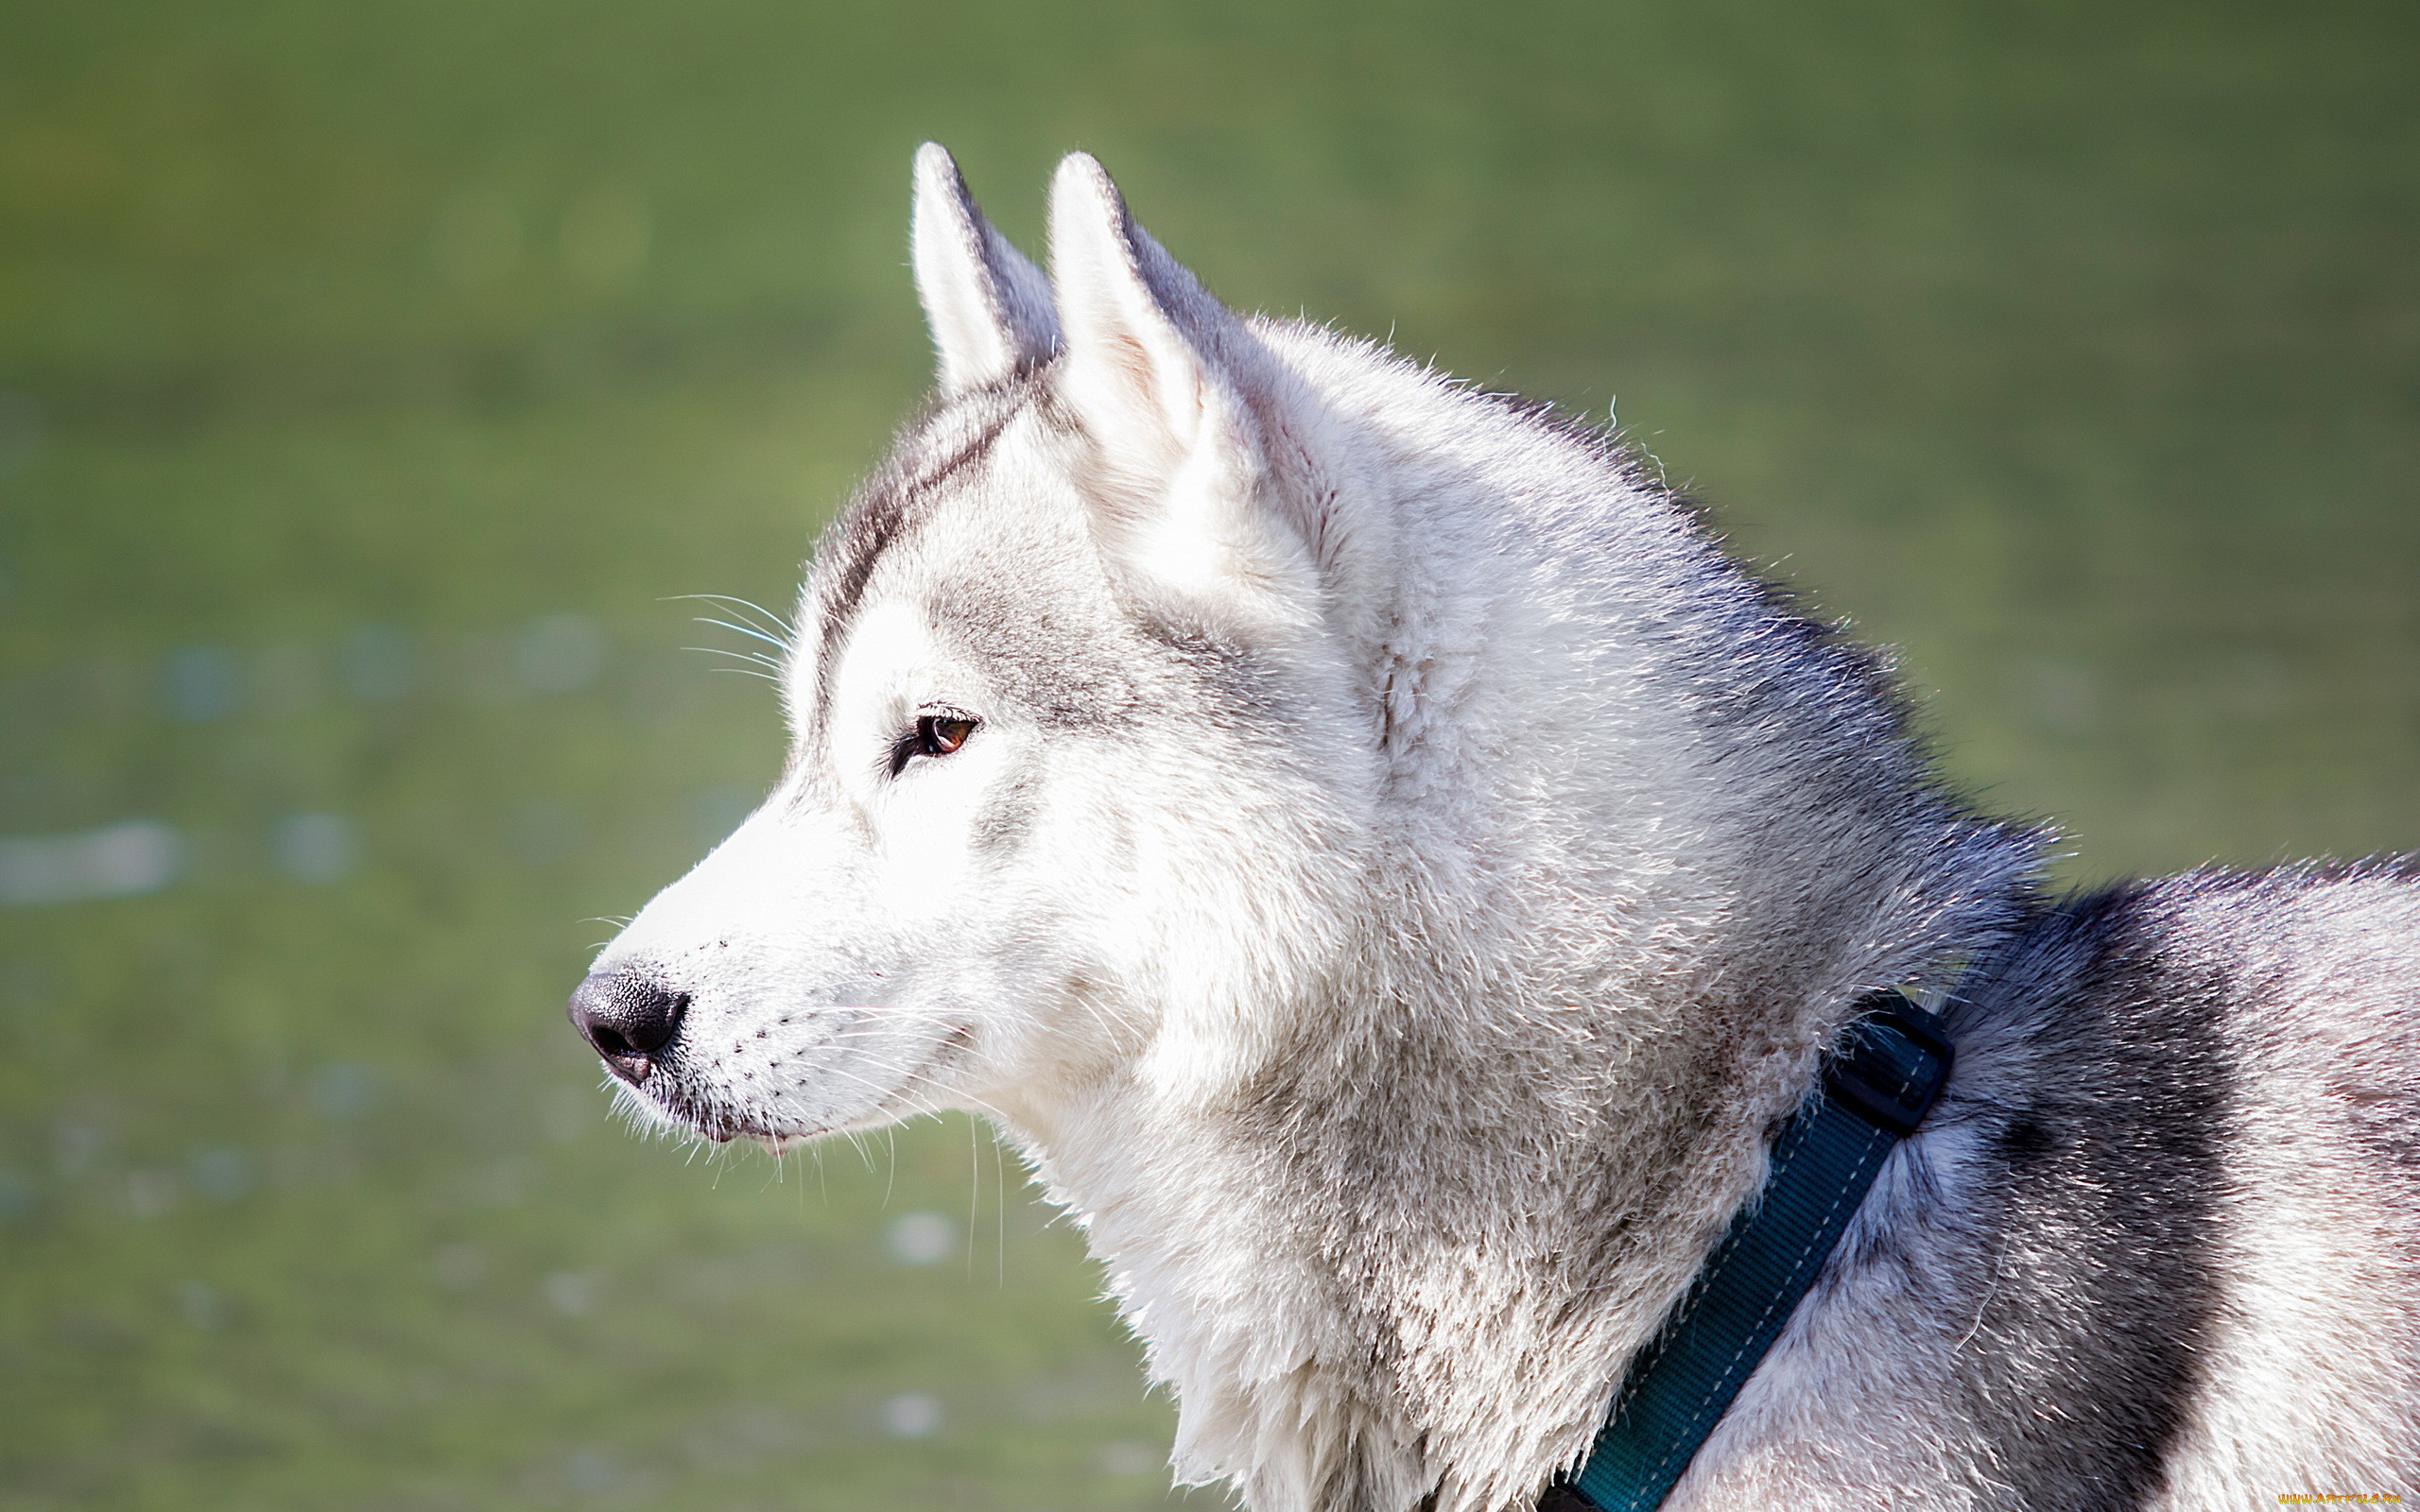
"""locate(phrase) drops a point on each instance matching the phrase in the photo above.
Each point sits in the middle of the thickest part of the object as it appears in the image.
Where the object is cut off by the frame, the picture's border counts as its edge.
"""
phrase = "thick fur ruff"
(1392, 874)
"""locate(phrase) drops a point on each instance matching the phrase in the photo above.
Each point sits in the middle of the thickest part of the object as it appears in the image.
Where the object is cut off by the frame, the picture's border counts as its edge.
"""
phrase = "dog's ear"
(1181, 401)
(989, 308)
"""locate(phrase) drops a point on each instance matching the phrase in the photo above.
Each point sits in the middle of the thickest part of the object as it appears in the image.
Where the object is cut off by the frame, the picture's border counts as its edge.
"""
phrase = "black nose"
(629, 1019)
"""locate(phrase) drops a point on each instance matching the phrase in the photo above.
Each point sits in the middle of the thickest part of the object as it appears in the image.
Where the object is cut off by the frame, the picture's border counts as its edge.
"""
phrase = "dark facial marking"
(1008, 818)
(888, 509)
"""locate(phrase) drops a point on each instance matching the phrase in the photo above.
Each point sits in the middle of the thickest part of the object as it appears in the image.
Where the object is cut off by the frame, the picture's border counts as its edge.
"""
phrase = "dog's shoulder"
(2315, 966)
(2183, 1141)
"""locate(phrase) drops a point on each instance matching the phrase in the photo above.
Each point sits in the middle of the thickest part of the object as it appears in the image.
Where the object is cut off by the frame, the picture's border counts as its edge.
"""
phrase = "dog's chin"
(724, 1127)
(665, 1104)
(664, 1107)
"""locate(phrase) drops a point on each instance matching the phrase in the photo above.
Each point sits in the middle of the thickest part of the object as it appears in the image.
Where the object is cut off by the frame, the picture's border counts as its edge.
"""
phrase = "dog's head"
(1082, 760)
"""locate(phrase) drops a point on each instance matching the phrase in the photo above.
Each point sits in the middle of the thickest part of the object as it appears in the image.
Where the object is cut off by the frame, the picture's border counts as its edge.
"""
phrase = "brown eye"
(940, 734)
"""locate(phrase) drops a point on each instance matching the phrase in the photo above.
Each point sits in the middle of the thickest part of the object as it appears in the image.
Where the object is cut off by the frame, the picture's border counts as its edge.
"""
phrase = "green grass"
(2075, 351)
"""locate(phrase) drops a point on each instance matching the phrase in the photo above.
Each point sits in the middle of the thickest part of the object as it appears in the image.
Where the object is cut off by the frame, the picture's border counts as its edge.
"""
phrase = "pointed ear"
(989, 308)
(1178, 398)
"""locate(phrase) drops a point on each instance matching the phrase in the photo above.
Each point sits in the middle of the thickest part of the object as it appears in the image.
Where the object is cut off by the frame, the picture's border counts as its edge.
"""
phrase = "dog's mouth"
(670, 1096)
(664, 1101)
(667, 1102)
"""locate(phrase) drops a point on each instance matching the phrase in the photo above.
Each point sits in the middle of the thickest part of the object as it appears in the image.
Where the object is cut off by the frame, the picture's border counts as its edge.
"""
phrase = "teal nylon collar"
(1877, 1088)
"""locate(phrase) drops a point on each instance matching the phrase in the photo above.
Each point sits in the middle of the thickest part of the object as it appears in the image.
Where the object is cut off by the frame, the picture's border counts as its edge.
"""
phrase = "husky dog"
(1390, 874)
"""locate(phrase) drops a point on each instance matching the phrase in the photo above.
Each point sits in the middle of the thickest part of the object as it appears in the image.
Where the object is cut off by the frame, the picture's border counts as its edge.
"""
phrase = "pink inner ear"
(1131, 359)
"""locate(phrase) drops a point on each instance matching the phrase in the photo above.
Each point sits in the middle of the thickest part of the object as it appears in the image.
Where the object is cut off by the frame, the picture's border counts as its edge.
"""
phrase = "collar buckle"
(1892, 1066)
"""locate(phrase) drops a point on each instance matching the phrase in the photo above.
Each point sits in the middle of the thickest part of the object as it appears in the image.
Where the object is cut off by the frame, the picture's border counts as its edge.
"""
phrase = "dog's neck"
(1646, 837)
(1416, 1267)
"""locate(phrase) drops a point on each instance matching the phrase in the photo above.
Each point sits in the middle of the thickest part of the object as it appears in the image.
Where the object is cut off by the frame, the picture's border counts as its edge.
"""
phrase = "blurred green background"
(371, 374)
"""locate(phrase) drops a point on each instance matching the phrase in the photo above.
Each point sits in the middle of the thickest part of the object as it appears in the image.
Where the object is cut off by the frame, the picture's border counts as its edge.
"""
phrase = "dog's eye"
(931, 735)
(940, 734)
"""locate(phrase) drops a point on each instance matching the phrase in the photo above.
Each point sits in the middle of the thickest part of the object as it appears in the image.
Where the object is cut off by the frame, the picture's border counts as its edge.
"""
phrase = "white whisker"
(767, 619)
(750, 631)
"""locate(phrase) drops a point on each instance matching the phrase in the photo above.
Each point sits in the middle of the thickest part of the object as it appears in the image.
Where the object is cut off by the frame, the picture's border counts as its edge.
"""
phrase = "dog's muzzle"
(628, 1019)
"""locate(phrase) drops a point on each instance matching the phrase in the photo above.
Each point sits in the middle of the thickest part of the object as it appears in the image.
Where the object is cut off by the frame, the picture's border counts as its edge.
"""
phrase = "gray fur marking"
(2106, 1260)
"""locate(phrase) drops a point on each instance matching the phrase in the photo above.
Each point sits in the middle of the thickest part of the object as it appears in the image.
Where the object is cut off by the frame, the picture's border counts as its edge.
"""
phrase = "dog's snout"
(628, 1019)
